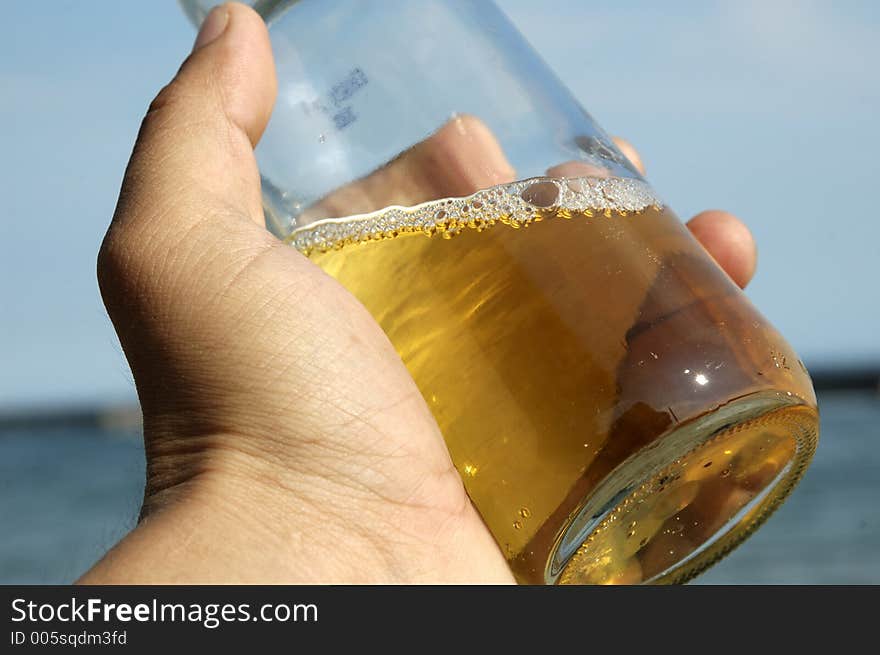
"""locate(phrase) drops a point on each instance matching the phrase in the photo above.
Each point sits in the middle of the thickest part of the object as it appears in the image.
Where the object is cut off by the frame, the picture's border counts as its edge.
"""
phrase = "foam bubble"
(516, 204)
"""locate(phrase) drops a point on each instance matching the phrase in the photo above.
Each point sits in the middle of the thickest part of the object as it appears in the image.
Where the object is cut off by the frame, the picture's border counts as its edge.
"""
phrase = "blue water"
(66, 495)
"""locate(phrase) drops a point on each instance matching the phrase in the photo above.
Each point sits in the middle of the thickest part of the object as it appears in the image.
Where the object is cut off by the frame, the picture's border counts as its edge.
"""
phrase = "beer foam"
(516, 204)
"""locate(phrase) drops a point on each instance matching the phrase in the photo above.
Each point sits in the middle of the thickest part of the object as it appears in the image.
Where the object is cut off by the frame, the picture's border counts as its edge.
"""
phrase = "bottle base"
(676, 508)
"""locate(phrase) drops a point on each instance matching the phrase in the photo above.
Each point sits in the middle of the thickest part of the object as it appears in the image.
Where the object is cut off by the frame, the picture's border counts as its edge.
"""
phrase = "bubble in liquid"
(525, 512)
(517, 525)
(470, 469)
(541, 194)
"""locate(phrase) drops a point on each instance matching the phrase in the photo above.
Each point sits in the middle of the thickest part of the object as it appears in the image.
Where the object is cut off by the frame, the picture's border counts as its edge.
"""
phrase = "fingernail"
(212, 27)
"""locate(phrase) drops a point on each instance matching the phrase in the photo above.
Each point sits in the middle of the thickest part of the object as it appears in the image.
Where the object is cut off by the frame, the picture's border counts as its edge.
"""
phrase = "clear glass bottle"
(618, 410)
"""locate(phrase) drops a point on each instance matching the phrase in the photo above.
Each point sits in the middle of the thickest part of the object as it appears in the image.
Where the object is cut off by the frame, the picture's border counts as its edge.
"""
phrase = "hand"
(285, 440)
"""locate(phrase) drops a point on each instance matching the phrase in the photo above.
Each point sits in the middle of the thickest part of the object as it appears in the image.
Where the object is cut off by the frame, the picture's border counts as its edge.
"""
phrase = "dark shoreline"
(848, 379)
(116, 417)
(128, 416)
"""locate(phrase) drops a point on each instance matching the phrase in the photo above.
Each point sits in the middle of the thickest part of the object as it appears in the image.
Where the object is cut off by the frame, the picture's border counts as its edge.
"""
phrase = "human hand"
(285, 440)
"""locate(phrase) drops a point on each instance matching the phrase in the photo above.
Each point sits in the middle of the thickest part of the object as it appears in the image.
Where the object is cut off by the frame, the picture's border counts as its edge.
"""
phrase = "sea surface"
(69, 493)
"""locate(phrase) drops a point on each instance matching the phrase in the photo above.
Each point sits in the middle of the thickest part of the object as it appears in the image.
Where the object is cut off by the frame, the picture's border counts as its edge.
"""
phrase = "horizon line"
(127, 414)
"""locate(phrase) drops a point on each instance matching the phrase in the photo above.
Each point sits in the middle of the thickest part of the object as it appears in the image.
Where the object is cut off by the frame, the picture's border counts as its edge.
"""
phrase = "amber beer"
(617, 409)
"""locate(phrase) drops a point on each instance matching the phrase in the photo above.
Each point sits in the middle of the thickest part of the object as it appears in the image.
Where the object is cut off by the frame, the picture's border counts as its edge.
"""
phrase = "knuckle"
(174, 105)
(110, 261)
(167, 98)
(116, 268)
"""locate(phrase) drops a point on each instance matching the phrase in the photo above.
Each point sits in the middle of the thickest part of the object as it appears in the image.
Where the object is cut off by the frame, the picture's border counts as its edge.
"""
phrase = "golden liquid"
(551, 353)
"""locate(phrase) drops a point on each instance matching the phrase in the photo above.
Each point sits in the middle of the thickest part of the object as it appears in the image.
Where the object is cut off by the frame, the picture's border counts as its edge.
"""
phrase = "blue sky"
(766, 108)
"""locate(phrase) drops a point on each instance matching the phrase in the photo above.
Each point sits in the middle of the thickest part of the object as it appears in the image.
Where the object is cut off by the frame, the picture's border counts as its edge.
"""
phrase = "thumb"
(196, 141)
(191, 191)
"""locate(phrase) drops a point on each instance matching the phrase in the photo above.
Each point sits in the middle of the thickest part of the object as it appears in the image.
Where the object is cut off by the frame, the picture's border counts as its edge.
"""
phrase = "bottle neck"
(270, 10)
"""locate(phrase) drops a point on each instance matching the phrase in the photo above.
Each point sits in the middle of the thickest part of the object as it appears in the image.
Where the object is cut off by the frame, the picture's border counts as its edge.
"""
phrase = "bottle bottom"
(676, 508)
